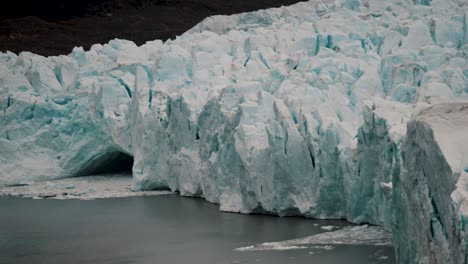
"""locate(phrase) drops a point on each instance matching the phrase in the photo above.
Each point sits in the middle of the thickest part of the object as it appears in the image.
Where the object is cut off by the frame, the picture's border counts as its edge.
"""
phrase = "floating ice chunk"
(326, 247)
(328, 228)
(271, 246)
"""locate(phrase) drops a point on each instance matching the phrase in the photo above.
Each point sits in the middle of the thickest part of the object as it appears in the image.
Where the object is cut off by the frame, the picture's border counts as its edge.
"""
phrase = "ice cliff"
(332, 109)
(433, 187)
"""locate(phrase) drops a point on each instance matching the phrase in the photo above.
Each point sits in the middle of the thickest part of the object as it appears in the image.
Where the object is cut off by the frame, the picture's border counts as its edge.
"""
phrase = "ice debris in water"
(317, 109)
(353, 235)
(328, 228)
(326, 247)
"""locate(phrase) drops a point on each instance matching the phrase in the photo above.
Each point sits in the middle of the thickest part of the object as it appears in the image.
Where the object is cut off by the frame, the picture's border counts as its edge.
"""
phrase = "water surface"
(157, 229)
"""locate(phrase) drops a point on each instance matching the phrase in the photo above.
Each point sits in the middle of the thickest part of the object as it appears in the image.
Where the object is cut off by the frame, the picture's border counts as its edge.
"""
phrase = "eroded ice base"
(115, 185)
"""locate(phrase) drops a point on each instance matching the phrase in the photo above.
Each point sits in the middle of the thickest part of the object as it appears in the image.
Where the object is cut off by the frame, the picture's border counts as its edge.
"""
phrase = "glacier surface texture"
(346, 109)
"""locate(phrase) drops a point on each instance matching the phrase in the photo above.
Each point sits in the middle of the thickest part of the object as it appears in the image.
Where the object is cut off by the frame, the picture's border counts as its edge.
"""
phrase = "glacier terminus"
(344, 109)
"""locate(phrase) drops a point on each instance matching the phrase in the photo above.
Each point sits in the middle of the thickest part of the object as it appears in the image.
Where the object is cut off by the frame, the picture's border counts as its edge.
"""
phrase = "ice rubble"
(298, 110)
(352, 235)
(110, 185)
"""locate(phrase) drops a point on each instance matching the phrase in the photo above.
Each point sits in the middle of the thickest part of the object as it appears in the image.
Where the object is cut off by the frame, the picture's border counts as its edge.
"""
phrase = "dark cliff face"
(54, 27)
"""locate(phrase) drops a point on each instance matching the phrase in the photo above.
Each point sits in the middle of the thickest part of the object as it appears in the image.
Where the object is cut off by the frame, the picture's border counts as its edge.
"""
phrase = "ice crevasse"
(327, 109)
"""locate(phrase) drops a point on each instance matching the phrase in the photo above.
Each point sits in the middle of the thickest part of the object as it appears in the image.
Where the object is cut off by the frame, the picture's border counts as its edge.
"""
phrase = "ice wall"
(432, 206)
(299, 110)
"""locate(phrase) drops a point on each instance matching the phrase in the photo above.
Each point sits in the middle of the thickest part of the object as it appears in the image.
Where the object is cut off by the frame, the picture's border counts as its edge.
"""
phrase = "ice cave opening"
(109, 162)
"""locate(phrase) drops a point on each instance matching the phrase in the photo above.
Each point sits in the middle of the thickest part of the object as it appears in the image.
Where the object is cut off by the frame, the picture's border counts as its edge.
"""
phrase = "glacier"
(346, 109)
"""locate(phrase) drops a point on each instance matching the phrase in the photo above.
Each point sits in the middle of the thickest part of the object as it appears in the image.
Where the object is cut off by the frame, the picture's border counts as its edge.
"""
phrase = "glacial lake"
(159, 229)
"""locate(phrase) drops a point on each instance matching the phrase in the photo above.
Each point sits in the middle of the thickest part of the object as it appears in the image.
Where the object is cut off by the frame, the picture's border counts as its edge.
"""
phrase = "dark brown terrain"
(53, 27)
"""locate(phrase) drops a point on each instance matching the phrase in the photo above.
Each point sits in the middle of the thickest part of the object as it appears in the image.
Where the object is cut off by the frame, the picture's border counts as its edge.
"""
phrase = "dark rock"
(53, 27)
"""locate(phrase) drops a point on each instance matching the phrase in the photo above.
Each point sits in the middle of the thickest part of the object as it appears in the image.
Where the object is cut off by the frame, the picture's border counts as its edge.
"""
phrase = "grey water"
(158, 229)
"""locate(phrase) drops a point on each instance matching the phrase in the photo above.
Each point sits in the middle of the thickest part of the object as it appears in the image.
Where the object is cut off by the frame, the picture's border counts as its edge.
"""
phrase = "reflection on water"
(160, 229)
